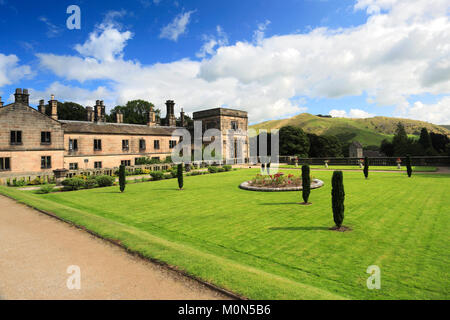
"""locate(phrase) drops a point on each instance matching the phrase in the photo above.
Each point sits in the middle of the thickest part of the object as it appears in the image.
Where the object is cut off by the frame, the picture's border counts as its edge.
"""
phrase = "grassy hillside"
(370, 131)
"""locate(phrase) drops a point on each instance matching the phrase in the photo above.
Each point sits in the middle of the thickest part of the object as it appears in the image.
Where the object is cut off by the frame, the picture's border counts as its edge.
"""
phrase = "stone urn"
(60, 175)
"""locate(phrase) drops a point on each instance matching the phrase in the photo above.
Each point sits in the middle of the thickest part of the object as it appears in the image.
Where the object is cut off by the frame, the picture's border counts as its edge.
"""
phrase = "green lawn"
(266, 246)
(379, 168)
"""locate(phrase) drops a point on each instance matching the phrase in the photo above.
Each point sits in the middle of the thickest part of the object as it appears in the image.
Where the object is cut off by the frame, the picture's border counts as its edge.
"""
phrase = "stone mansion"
(32, 143)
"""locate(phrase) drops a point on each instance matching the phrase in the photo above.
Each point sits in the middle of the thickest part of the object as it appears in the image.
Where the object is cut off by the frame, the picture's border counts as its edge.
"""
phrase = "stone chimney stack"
(151, 118)
(41, 106)
(119, 116)
(99, 111)
(21, 96)
(182, 117)
(171, 121)
(90, 114)
(26, 97)
(1, 102)
(53, 107)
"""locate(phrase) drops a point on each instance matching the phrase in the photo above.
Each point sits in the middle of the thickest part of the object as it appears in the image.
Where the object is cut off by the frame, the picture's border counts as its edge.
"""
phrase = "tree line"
(428, 144)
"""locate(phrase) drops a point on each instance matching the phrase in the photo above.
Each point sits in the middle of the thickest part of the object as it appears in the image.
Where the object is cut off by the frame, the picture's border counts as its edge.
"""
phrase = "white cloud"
(211, 42)
(259, 33)
(10, 70)
(52, 29)
(177, 27)
(438, 113)
(402, 50)
(338, 113)
(106, 43)
(354, 113)
(70, 93)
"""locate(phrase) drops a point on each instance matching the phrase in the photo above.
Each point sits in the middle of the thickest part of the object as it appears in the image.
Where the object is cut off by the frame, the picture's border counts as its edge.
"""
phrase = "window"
(142, 144)
(234, 125)
(73, 166)
(5, 164)
(97, 164)
(46, 137)
(172, 144)
(73, 144)
(16, 137)
(125, 163)
(46, 162)
(97, 144)
(125, 145)
(156, 144)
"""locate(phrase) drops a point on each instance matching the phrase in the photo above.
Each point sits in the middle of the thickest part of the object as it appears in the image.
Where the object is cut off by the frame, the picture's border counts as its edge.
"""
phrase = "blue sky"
(275, 59)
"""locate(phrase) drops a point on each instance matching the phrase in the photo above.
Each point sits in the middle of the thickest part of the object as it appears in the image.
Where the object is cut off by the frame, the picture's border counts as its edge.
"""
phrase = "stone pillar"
(90, 114)
(119, 117)
(60, 175)
(182, 117)
(151, 118)
(41, 106)
(53, 107)
(171, 121)
(1, 102)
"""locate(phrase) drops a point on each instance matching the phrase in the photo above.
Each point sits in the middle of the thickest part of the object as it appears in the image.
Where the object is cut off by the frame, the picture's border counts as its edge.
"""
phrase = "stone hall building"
(32, 143)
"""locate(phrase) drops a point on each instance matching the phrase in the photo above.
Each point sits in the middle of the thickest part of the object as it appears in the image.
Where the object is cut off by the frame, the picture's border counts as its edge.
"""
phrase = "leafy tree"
(425, 140)
(293, 141)
(439, 141)
(366, 167)
(122, 178)
(135, 112)
(338, 197)
(408, 166)
(324, 146)
(400, 141)
(68, 111)
(180, 176)
(306, 183)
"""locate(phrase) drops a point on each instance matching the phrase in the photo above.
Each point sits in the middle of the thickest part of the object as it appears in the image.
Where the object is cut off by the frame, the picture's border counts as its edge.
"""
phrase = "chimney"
(151, 118)
(119, 116)
(1, 102)
(41, 106)
(21, 96)
(99, 111)
(90, 114)
(182, 117)
(53, 107)
(26, 97)
(170, 114)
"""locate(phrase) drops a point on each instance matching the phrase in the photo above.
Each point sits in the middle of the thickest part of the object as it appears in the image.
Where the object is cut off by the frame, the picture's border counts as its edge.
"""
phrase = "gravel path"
(36, 251)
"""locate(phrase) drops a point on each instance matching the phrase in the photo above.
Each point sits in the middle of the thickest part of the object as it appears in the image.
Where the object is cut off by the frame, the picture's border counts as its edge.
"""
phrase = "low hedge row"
(89, 182)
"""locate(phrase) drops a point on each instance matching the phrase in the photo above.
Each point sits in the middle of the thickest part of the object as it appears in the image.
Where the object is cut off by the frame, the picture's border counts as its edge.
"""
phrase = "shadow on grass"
(298, 228)
(280, 203)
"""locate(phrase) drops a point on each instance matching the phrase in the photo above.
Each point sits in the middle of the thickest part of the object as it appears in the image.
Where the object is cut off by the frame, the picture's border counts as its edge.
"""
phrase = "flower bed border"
(316, 183)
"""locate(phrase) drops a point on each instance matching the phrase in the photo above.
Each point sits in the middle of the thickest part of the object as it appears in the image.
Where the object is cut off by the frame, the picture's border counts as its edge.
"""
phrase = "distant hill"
(369, 131)
(446, 126)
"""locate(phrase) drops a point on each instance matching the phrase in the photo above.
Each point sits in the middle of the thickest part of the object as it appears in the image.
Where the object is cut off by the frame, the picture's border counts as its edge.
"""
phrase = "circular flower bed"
(278, 182)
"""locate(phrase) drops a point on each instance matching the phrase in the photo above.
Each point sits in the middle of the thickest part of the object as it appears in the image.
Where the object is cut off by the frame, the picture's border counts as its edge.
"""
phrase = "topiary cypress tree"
(122, 179)
(180, 176)
(268, 168)
(408, 166)
(366, 167)
(306, 183)
(337, 197)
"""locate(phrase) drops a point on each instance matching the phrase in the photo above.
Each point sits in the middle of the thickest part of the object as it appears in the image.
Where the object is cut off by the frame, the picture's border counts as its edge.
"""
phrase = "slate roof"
(71, 126)
(356, 144)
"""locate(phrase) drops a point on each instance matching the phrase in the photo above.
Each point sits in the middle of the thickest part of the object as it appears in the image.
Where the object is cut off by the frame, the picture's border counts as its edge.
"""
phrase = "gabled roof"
(16, 106)
(356, 144)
